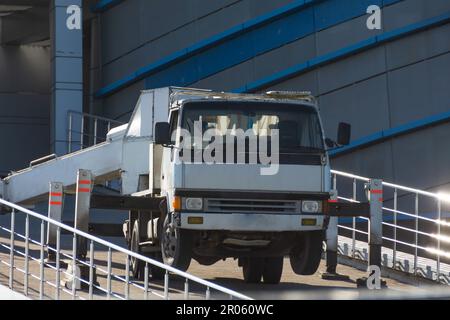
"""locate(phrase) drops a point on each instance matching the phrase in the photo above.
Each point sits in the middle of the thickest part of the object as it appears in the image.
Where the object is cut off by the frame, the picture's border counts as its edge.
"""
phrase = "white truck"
(238, 206)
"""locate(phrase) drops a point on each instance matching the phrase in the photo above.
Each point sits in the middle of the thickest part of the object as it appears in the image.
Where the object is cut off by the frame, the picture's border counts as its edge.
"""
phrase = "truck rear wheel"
(305, 257)
(252, 270)
(176, 245)
(273, 269)
(155, 272)
(136, 266)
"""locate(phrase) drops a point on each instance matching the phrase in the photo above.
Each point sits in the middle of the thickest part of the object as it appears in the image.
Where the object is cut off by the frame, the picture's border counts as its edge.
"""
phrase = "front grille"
(252, 206)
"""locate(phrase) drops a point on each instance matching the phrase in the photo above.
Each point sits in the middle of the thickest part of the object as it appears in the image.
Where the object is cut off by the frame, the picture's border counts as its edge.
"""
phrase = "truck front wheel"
(176, 245)
(305, 257)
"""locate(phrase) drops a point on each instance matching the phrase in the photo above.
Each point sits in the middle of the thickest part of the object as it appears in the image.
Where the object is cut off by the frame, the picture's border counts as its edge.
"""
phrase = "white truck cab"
(252, 205)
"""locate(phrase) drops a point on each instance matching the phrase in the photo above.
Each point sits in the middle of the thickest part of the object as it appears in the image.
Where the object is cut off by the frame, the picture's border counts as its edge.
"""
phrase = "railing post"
(146, 281)
(332, 245)
(354, 221)
(27, 255)
(438, 255)
(11, 252)
(186, 289)
(58, 271)
(376, 222)
(55, 207)
(394, 249)
(416, 234)
(42, 262)
(91, 270)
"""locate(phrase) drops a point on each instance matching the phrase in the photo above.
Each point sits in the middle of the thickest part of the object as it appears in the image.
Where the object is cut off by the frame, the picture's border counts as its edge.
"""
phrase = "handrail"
(349, 175)
(394, 186)
(93, 116)
(126, 251)
(431, 254)
(93, 122)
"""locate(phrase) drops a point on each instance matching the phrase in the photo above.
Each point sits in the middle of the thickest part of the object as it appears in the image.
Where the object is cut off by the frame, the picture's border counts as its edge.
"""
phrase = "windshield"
(299, 126)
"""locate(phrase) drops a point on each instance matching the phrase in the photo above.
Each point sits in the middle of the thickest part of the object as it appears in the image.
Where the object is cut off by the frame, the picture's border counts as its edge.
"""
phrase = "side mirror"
(162, 133)
(344, 134)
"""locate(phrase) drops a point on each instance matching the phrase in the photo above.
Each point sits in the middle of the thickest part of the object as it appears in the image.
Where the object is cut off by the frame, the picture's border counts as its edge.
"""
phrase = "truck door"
(167, 174)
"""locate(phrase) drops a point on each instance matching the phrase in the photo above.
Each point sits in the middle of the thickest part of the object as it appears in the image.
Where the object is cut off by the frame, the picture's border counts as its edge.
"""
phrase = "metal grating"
(253, 206)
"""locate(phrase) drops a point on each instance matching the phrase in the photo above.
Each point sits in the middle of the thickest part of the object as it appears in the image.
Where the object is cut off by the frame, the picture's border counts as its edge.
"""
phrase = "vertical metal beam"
(82, 204)
(67, 68)
(332, 244)
(376, 222)
(55, 208)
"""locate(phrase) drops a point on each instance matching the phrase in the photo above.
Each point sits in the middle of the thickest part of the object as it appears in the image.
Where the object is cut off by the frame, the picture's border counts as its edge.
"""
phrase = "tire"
(273, 270)
(176, 245)
(137, 267)
(252, 270)
(206, 261)
(155, 272)
(305, 258)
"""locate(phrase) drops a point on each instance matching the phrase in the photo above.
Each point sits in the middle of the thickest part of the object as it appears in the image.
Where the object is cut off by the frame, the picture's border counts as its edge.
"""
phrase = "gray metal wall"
(378, 89)
(138, 32)
(24, 105)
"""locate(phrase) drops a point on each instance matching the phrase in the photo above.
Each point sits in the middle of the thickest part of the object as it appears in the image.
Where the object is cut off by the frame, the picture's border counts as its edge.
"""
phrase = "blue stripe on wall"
(344, 52)
(104, 5)
(242, 42)
(392, 133)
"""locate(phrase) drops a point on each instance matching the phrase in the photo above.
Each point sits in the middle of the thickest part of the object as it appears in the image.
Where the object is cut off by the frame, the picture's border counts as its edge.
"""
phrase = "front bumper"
(252, 222)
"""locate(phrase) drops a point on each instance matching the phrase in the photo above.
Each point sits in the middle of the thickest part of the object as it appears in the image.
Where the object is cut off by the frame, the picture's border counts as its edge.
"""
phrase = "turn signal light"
(195, 220)
(309, 222)
(176, 203)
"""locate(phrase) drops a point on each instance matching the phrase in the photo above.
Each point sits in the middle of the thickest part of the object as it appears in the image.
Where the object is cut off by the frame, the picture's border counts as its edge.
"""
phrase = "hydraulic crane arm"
(28, 185)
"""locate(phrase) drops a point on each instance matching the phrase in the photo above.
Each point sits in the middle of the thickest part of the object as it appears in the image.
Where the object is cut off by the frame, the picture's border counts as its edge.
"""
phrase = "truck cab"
(244, 176)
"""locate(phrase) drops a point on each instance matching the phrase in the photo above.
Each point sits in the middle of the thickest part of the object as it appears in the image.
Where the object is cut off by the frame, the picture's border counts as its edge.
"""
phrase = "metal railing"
(402, 243)
(33, 254)
(85, 130)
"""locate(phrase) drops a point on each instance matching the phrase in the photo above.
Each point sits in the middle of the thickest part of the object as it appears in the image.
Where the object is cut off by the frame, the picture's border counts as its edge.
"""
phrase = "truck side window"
(173, 124)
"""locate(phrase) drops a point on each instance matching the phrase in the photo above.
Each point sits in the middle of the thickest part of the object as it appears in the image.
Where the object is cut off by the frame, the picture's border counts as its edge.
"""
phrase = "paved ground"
(292, 286)
(225, 273)
(7, 294)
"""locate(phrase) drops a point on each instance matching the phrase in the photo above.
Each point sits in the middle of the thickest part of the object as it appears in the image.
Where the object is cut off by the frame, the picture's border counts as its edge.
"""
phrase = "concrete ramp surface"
(7, 294)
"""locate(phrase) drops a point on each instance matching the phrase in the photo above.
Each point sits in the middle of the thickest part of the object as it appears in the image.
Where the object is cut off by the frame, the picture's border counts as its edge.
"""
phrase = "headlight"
(193, 203)
(310, 206)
